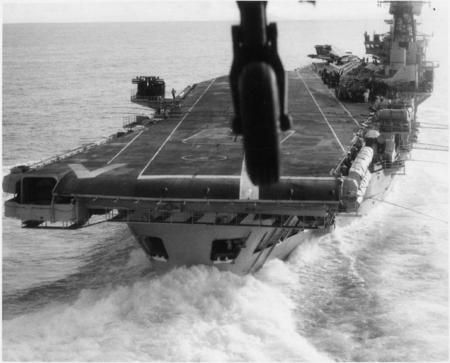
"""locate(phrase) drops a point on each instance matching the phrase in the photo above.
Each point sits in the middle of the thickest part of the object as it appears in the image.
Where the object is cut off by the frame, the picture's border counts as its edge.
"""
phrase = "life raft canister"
(358, 173)
(361, 164)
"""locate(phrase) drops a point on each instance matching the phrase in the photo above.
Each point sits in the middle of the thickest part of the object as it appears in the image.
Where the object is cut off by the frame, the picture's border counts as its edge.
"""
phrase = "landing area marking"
(202, 137)
(321, 112)
(82, 173)
(213, 136)
(289, 134)
(175, 129)
(125, 147)
(247, 190)
(340, 103)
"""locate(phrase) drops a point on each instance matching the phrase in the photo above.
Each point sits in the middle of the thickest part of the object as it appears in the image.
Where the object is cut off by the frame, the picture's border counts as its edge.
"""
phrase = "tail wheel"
(259, 111)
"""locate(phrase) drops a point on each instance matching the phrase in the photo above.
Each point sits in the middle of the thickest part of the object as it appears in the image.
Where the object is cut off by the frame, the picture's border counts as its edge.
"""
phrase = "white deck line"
(340, 103)
(291, 132)
(247, 190)
(231, 177)
(323, 178)
(125, 147)
(150, 177)
(175, 129)
(321, 112)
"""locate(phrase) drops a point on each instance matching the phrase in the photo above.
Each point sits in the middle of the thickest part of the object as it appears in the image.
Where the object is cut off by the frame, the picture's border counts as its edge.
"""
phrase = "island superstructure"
(179, 179)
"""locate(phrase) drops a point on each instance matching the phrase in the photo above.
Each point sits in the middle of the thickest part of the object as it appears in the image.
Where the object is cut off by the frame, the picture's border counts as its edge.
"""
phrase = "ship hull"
(188, 245)
(192, 244)
(378, 188)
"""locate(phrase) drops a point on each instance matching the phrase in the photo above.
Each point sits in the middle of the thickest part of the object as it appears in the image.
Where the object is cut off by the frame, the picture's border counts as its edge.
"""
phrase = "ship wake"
(188, 314)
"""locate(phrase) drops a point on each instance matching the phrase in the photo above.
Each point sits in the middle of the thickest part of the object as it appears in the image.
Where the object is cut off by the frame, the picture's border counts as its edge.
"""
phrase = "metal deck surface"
(193, 154)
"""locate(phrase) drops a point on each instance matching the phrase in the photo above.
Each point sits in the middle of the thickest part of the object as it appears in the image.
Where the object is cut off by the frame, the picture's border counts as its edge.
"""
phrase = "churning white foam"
(187, 314)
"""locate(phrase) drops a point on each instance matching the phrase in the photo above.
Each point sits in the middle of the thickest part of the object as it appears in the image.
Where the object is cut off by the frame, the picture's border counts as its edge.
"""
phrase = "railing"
(393, 127)
(227, 206)
(43, 162)
(129, 122)
(430, 64)
(135, 97)
(160, 99)
(270, 214)
(218, 219)
(389, 165)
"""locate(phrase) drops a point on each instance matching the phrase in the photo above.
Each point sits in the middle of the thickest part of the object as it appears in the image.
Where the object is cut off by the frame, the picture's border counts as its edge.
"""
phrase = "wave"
(188, 314)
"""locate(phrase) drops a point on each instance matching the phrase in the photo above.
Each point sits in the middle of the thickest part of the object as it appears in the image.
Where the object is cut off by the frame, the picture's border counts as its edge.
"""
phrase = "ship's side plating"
(238, 248)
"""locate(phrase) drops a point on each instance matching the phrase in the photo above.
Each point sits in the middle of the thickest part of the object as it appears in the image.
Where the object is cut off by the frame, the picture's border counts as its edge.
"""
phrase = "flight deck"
(192, 154)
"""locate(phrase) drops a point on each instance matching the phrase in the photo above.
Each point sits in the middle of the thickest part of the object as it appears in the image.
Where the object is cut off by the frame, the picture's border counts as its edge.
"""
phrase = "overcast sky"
(43, 11)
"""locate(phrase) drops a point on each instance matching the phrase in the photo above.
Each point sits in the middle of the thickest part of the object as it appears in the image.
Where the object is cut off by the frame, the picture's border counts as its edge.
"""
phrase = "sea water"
(373, 290)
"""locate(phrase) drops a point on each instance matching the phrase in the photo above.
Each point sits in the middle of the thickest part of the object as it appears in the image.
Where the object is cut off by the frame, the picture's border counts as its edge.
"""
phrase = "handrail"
(208, 201)
(43, 162)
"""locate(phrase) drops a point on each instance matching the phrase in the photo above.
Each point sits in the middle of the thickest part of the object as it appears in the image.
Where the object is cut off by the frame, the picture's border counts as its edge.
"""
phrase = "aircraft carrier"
(179, 179)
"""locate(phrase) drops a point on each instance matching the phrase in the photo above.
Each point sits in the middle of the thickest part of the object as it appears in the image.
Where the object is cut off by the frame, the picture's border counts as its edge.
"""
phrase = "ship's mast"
(404, 26)
(406, 53)
(402, 50)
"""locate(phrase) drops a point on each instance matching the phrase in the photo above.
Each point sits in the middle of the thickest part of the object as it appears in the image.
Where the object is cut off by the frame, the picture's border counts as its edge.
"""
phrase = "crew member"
(366, 36)
(366, 95)
(173, 93)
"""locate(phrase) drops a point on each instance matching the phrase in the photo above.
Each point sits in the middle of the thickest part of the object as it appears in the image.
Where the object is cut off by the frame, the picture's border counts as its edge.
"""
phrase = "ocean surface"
(375, 289)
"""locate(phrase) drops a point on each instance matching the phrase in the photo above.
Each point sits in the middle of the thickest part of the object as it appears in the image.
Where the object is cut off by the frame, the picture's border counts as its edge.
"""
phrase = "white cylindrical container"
(361, 164)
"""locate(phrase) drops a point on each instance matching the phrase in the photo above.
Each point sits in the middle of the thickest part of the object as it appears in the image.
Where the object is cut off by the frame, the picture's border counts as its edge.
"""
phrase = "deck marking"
(175, 129)
(323, 178)
(185, 176)
(321, 112)
(247, 183)
(247, 190)
(125, 147)
(229, 177)
(291, 132)
(340, 103)
(82, 173)
(225, 137)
